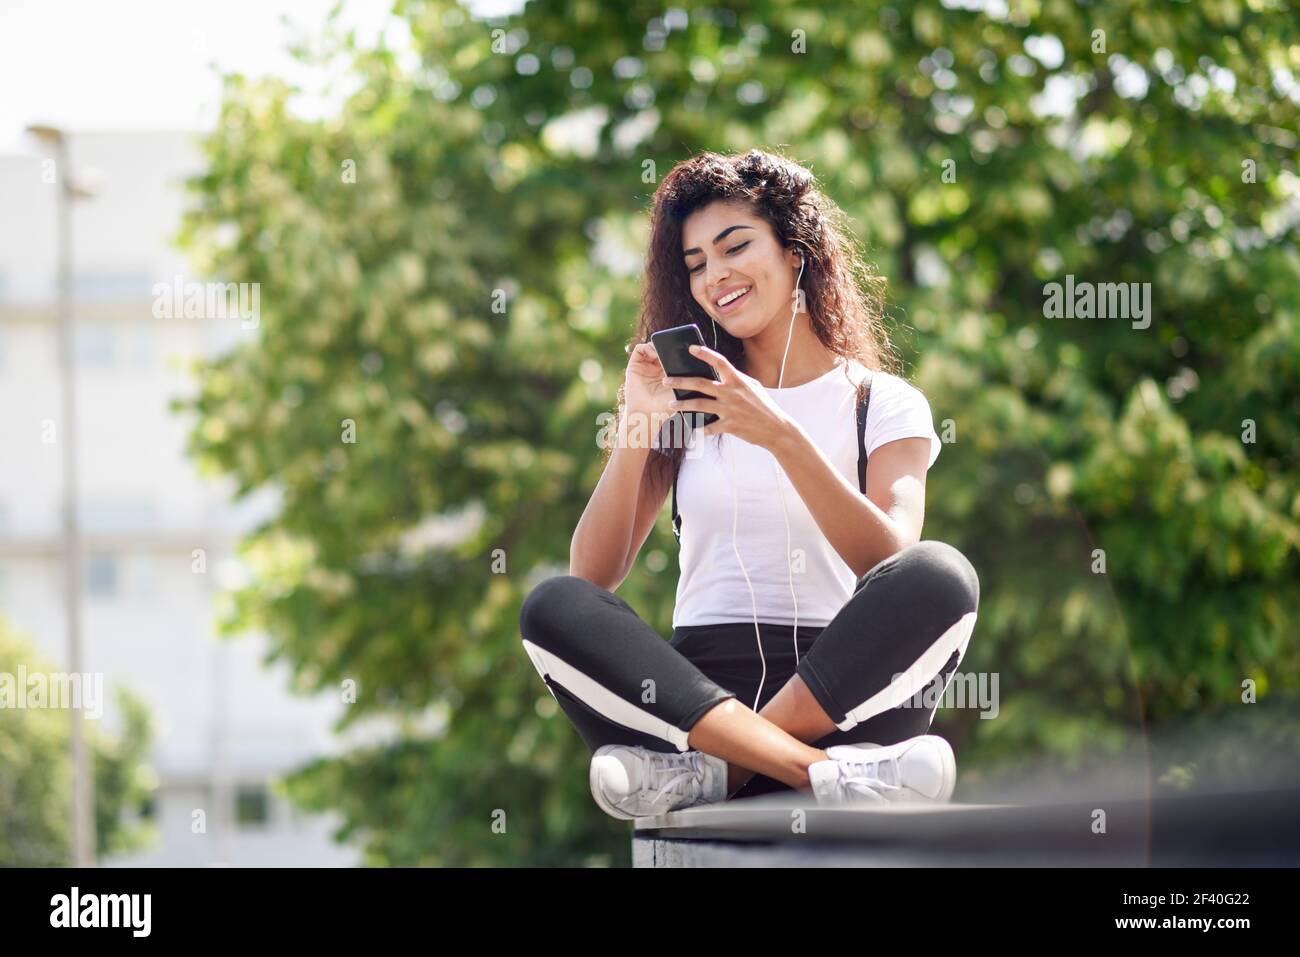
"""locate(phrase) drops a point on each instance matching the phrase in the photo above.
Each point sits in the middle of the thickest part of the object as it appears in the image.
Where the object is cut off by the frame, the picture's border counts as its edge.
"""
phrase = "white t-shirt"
(711, 588)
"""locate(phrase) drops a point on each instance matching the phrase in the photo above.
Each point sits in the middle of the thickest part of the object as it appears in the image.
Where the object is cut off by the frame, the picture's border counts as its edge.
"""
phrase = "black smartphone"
(672, 345)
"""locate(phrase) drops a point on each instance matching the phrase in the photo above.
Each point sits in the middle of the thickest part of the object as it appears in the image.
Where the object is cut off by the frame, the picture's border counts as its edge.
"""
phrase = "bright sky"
(143, 64)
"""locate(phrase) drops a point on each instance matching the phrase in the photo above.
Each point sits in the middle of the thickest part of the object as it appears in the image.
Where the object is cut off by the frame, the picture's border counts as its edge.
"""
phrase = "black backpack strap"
(862, 436)
(677, 519)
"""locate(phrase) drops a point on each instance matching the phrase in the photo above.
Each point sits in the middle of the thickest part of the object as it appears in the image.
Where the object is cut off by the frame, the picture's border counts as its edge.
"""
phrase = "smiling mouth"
(736, 303)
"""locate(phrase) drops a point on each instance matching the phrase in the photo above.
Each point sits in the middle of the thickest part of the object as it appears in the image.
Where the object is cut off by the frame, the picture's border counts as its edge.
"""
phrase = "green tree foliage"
(448, 269)
(36, 773)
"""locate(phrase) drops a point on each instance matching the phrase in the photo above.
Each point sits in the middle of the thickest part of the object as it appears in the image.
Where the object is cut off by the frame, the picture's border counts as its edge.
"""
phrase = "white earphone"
(794, 308)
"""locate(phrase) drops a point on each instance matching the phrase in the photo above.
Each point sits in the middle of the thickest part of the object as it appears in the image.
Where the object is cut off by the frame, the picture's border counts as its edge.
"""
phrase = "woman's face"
(728, 249)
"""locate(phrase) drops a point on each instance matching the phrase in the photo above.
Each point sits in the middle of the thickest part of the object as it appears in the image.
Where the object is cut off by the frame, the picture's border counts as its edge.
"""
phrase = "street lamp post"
(83, 782)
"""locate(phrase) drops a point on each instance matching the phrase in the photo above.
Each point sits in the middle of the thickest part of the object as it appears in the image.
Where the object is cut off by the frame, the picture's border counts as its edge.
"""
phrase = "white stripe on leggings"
(600, 698)
(917, 676)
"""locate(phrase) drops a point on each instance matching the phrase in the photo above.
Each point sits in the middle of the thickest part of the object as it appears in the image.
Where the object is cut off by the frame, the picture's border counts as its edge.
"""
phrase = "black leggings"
(905, 627)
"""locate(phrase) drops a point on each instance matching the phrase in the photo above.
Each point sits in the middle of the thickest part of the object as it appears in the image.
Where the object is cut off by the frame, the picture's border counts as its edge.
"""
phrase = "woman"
(774, 532)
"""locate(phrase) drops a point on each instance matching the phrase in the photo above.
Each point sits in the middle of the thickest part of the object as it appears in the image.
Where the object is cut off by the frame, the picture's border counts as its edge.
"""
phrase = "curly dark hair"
(845, 299)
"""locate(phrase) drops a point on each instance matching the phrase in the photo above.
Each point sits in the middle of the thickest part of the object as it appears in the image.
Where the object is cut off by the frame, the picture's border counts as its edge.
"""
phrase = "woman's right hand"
(644, 391)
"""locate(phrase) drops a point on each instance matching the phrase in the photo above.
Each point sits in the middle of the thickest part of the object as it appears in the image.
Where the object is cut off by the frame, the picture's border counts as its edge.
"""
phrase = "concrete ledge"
(1223, 829)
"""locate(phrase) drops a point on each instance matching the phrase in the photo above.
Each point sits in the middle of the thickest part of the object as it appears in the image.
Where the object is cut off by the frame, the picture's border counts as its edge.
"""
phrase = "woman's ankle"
(737, 778)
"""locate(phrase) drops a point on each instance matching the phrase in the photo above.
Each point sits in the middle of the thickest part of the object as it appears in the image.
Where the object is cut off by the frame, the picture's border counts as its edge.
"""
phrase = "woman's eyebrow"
(716, 239)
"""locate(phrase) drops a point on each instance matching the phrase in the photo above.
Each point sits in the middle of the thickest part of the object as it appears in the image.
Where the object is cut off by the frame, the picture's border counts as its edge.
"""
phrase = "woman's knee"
(550, 595)
(549, 608)
(940, 572)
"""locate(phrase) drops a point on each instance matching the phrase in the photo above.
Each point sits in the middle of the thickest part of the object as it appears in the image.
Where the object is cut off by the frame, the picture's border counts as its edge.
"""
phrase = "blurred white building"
(225, 725)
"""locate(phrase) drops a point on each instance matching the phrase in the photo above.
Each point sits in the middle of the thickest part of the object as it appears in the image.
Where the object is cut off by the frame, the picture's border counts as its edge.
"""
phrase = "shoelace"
(690, 771)
(871, 778)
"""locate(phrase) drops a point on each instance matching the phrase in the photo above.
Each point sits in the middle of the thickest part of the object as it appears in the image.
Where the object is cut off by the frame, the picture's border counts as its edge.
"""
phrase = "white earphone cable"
(735, 511)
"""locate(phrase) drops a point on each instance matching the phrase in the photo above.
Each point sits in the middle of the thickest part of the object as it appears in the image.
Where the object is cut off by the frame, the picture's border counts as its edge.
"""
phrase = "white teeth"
(735, 295)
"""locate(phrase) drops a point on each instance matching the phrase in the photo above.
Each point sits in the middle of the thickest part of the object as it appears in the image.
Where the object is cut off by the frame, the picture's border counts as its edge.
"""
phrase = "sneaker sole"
(599, 798)
(949, 774)
(946, 787)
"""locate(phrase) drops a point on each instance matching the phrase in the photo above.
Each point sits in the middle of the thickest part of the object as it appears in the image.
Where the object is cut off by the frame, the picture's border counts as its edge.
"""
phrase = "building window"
(111, 287)
(140, 575)
(252, 806)
(94, 343)
(142, 345)
(120, 575)
(115, 518)
(101, 575)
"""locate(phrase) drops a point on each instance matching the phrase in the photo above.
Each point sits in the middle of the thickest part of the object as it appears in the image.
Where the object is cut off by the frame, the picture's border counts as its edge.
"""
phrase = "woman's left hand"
(741, 403)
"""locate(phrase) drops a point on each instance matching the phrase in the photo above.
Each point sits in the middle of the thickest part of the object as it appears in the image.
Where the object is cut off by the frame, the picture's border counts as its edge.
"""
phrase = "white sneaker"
(630, 782)
(920, 769)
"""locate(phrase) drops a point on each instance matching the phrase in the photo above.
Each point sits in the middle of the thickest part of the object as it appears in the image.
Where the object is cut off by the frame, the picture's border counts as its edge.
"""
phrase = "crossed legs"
(619, 682)
(772, 741)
